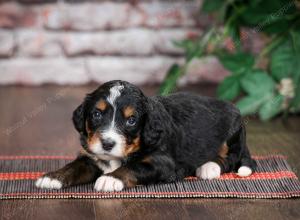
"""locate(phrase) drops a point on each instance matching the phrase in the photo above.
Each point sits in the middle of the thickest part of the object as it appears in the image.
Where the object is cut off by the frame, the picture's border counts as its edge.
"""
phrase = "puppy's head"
(110, 120)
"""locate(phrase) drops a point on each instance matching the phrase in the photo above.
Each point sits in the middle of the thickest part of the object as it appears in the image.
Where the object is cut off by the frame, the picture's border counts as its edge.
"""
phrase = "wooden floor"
(37, 121)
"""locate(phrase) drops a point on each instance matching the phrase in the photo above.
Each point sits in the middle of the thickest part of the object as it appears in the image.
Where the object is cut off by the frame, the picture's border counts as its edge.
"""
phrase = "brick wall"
(76, 43)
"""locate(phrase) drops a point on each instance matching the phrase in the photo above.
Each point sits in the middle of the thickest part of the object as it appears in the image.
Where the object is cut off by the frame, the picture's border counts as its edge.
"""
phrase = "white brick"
(153, 69)
(7, 43)
(127, 42)
(87, 16)
(164, 42)
(170, 14)
(14, 15)
(135, 42)
(112, 15)
(136, 70)
(38, 43)
(39, 71)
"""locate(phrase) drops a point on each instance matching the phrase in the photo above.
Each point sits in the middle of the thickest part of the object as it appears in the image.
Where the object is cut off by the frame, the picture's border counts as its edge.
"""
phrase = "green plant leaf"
(253, 3)
(283, 60)
(186, 44)
(192, 48)
(295, 104)
(237, 63)
(234, 33)
(271, 108)
(295, 36)
(170, 80)
(250, 104)
(257, 82)
(211, 6)
(277, 26)
(229, 88)
(268, 15)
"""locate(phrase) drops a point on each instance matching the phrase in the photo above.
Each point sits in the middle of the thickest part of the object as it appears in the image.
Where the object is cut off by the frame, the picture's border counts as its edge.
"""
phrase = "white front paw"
(108, 184)
(48, 183)
(209, 170)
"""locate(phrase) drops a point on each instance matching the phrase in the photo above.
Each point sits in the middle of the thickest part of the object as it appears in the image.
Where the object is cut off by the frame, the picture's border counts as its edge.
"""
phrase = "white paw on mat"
(244, 171)
(48, 183)
(209, 170)
(108, 184)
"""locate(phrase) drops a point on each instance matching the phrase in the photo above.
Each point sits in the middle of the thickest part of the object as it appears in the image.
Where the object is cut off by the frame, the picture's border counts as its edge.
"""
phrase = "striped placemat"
(272, 179)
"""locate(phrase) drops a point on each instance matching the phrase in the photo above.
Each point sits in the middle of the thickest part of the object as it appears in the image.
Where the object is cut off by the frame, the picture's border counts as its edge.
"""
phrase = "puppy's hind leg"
(214, 168)
(238, 158)
(232, 156)
(246, 165)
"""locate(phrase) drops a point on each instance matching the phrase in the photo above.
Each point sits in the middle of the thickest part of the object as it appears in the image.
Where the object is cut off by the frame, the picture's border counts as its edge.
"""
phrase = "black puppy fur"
(170, 138)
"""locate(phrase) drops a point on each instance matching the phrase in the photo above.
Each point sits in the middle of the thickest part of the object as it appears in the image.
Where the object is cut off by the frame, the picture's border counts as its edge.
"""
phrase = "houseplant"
(267, 89)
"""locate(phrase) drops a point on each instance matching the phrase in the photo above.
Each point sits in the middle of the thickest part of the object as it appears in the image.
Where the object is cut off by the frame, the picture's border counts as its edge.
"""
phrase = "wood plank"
(47, 209)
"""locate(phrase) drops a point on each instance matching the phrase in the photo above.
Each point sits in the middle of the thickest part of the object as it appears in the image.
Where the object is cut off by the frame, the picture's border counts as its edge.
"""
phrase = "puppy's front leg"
(154, 169)
(81, 170)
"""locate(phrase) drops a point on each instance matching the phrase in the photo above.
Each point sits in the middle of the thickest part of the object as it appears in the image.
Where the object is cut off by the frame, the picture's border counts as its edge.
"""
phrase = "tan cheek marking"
(135, 146)
(92, 138)
(128, 111)
(223, 151)
(102, 105)
(222, 154)
(146, 160)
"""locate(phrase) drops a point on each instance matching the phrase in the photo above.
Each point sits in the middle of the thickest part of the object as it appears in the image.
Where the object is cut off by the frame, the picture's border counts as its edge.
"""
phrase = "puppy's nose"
(108, 144)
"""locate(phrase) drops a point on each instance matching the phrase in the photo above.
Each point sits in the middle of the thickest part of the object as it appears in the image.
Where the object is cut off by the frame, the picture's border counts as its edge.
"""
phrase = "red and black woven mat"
(273, 179)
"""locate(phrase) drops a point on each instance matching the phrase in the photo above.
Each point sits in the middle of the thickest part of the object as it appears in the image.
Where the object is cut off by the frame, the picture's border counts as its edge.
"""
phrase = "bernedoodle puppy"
(130, 139)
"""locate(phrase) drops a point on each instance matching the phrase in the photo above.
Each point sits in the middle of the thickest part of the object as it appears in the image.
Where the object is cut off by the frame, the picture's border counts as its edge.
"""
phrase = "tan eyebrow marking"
(133, 147)
(128, 111)
(88, 130)
(102, 105)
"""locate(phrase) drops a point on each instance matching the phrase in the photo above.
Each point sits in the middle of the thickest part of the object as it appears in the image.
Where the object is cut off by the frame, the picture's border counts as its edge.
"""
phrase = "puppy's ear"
(158, 125)
(78, 119)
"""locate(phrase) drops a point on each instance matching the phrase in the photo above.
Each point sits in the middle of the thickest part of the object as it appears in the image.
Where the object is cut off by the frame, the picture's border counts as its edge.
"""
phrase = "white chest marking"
(110, 167)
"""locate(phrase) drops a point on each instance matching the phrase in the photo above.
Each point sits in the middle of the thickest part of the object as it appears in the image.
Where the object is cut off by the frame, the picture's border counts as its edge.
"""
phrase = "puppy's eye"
(131, 121)
(97, 115)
